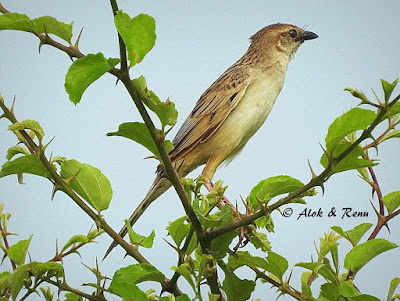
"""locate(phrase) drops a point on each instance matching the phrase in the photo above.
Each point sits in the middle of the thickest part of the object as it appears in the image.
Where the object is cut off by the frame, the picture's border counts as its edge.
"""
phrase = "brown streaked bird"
(231, 110)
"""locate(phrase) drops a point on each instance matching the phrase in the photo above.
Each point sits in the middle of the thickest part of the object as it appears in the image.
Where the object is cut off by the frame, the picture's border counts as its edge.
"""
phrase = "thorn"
(51, 140)
(55, 189)
(116, 82)
(376, 211)
(311, 169)
(77, 40)
(12, 105)
(172, 246)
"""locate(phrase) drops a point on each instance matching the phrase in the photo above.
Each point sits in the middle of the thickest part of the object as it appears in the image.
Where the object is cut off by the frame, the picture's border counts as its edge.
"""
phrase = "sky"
(358, 45)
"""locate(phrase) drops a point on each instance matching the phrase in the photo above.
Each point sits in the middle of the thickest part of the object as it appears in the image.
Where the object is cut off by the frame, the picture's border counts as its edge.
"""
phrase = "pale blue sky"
(196, 41)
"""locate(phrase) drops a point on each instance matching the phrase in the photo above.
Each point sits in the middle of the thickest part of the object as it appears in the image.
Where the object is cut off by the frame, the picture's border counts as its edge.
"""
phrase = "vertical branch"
(122, 47)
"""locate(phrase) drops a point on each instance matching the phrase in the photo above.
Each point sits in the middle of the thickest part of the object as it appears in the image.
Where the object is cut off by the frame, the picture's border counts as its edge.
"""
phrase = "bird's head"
(285, 38)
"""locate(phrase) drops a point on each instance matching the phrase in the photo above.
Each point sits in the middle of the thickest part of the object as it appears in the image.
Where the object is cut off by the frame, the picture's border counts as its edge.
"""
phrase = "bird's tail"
(160, 185)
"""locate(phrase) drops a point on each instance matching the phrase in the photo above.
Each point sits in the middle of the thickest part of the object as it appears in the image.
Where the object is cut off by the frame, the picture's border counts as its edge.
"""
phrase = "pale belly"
(246, 118)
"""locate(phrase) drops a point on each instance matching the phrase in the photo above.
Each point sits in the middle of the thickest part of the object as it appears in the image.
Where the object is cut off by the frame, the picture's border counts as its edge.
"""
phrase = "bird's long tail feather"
(160, 185)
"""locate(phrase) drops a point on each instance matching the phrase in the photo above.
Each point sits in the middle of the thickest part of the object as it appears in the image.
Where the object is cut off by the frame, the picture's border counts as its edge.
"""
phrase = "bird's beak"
(307, 35)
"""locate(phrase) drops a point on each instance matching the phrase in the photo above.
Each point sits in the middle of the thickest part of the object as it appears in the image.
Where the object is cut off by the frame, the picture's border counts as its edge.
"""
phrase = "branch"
(122, 47)
(316, 181)
(65, 287)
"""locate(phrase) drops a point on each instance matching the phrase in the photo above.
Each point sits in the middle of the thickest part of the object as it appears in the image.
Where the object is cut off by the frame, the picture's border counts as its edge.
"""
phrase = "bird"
(230, 111)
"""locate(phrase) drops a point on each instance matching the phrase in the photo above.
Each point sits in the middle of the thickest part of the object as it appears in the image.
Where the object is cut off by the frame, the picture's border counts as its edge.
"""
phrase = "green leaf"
(221, 219)
(138, 34)
(165, 111)
(18, 279)
(15, 150)
(358, 94)
(391, 201)
(138, 239)
(260, 241)
(363, 297)
(329, 291)
(271, 187)
(88, 182)
(81, 239)
(319, 268)
(363, 253)
(178, 230)
(51, 269)
(52, 26)
(235, 288)
(390, 135)
(275, 263)
(220, 244)
(184, 270)
(139, 133)
(392, 288)
(16, 21)
(354, 235)
(347, 289)
(84, 71)
(26, 164)
(72, 297)
(388, 88)
(17, 252)
(125, 279)
(351, 121)
(5, 281)
(353, 160)
(30, 125)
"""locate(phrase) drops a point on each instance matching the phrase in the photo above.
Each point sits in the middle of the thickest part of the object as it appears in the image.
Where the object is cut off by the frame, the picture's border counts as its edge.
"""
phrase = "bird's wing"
(211, 110)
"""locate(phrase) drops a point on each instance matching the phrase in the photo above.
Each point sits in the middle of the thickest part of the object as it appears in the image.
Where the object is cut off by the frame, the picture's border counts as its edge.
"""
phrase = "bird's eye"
(293, 33)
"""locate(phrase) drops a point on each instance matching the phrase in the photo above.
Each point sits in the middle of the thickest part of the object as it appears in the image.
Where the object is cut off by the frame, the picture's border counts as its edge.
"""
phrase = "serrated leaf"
(84, 71)
(15, 150)
(275, 264)
(363, 253)
(220, 244)
(15, 21)
(26, 164)
(260, 241)
(329, 291)
(351, 121)
(51, 269)
(72, 297)
(363, 297)
(391, 201)
(319, 268)
(17, 252)
(392, 288)
(221, 219)
(125, 279)
(184, 271)
(271, 187)
(236, 289)
(137, 239)
(74, 240)
(28, 124)
(388, 88)
(390, 135)
(354, 235)
(165, 111)
(52, 26)
(17, 279)
(138, 34)
(88, 182)
(139, 133)
(178, 230)
(353, 160)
